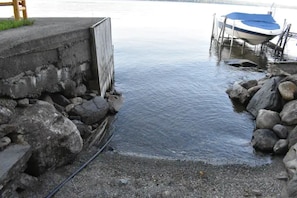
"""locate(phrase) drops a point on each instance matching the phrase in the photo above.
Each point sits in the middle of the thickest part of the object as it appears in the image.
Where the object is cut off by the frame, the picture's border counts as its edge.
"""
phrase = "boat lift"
(219, 36)
(277, 48)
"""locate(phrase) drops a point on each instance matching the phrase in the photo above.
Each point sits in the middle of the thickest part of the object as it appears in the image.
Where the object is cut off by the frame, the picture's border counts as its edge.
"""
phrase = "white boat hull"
(251, 38)
(252, 35)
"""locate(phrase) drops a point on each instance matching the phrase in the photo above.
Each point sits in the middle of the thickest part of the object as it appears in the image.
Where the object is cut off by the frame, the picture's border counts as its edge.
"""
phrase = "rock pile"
(273, 103)
(38, 134)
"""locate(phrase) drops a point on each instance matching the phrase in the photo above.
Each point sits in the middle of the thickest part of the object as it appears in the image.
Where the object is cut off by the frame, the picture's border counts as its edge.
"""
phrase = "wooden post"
(18, 6)
(222, 33)
(213, 25)
(16, 9)
(23, 8)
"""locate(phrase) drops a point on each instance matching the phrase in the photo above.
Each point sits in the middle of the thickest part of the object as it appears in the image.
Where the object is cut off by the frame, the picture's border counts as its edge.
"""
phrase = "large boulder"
(292, 137)
(267, 97)
(7, 107)
(281, 146)
(288, 113)
(92, 111)
(254, 90)
(264, 140)
(249, 84)
(8, 103)
(60, 99)
(290, 190)
(292, 78)
(287, 90)
(290, 161)
(238, 93)
(115, 102)
(54, 139)
(292, 187)
(5, 115)
(281, 131)
(266, 119)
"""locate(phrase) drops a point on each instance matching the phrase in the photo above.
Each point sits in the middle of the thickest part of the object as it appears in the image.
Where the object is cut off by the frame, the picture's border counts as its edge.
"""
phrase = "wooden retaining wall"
(102, 54)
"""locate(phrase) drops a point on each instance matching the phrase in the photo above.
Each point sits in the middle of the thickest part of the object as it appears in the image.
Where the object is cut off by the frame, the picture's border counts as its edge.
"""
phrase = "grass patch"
(10, 23)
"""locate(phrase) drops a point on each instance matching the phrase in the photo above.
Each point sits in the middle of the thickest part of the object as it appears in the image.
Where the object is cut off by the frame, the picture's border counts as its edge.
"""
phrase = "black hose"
(57, 188)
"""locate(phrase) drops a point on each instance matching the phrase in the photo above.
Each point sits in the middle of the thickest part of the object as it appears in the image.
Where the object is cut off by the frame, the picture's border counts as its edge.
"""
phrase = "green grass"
(10, 23)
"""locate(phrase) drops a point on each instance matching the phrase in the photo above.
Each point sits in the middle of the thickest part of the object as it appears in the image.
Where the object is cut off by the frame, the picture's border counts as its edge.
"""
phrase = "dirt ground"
(115, 175)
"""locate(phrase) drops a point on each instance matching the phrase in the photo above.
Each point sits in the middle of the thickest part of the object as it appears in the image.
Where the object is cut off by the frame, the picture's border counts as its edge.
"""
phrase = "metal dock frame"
(220, 37)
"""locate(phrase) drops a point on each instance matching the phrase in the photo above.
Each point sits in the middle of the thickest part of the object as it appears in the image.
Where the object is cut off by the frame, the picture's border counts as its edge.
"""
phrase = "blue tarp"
(264, 21)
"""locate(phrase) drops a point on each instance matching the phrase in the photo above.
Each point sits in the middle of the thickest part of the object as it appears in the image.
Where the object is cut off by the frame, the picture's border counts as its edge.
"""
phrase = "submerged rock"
(264, 140)
(115, 102)
(241, 63)
(249, 84)
(238, 93)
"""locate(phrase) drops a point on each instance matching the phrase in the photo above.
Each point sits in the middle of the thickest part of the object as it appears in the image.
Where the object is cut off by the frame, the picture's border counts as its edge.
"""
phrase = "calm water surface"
(174, 87)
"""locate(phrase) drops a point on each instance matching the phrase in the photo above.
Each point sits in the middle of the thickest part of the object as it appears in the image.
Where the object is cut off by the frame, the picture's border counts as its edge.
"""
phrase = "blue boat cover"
(264, 21)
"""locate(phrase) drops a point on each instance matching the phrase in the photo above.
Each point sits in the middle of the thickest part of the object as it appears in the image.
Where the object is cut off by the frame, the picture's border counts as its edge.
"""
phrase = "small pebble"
(123, 181)
(256, 192)
(283, 175)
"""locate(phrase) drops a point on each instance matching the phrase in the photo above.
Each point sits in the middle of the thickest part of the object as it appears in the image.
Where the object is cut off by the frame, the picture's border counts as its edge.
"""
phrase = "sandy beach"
(115, 175)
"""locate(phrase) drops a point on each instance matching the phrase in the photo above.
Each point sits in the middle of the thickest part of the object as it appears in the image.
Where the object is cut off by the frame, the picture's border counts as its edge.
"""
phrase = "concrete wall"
(46, 56)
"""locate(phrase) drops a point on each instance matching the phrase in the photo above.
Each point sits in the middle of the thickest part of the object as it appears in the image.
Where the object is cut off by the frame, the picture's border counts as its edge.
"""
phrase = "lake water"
(174, 86)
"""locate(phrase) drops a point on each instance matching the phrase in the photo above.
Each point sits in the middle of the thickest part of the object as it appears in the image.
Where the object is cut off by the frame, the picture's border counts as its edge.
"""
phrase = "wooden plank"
(102, 54)
(6, 3)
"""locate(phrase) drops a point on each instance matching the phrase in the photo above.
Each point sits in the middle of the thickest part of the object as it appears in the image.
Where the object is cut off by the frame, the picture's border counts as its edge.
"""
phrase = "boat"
(254, 29)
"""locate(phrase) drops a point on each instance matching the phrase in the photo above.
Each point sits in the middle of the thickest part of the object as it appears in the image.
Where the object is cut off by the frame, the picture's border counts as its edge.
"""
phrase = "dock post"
(242, 47)
(213, 25)
(222, 32)
(232, 34)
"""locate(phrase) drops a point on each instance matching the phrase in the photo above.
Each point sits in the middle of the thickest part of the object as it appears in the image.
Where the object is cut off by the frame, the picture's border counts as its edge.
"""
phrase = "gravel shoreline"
(116, 175)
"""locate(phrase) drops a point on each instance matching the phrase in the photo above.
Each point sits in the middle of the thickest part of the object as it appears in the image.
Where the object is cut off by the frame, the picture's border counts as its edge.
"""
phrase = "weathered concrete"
(45, 42)
(283, 68)
(52, 54)
(13, 161)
